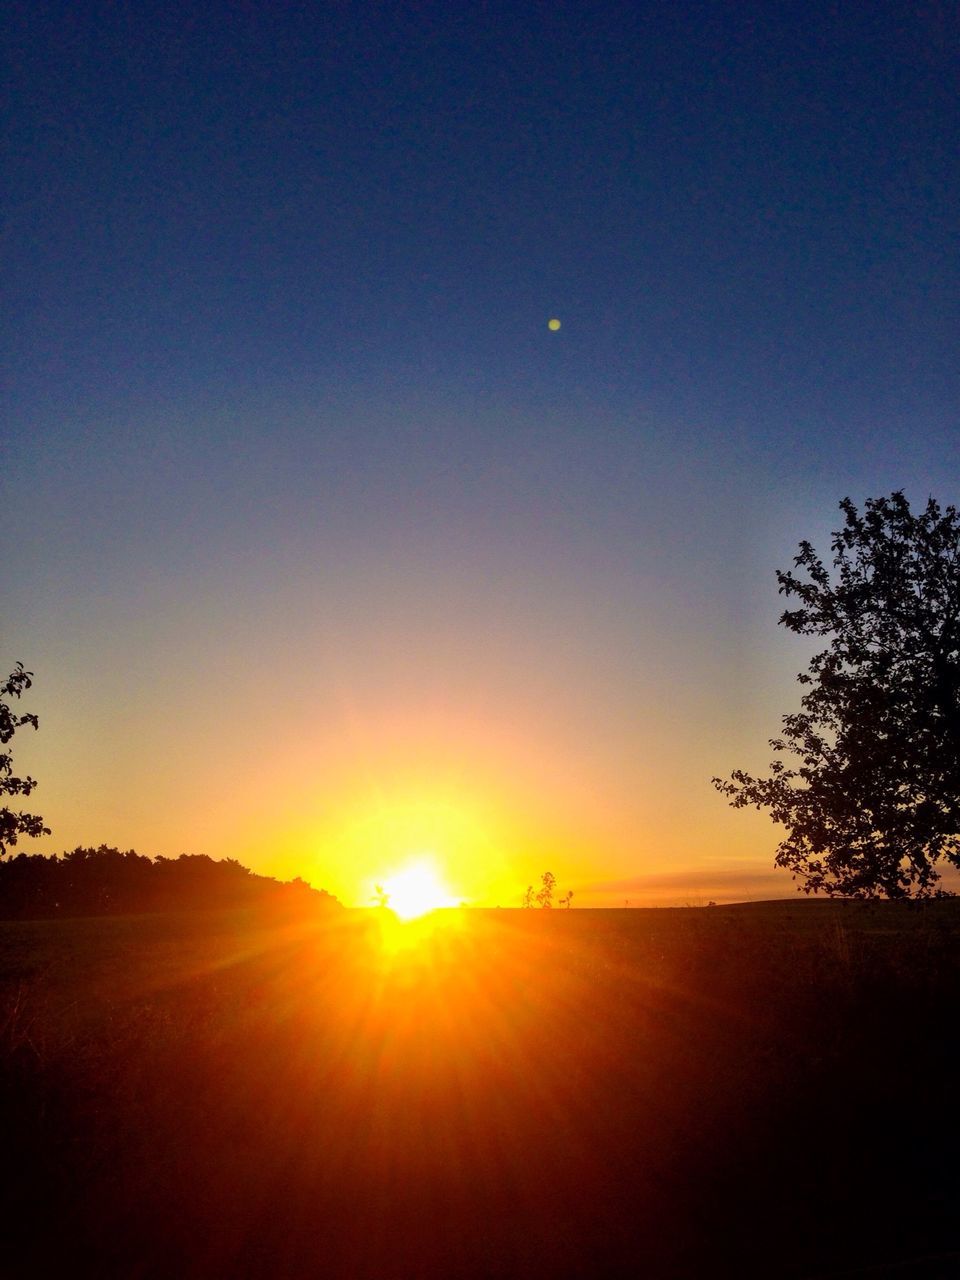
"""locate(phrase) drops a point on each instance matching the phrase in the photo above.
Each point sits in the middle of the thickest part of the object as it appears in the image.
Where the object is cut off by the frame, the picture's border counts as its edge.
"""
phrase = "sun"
(415, 890)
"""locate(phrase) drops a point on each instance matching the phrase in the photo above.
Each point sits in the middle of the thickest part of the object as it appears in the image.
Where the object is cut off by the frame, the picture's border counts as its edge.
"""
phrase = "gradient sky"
(325, 551)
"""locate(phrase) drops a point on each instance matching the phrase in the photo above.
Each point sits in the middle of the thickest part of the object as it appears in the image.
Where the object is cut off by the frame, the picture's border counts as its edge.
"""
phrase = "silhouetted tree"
(871, 798)
(548, 882)
(567, 899)
(380, 896)
(12, 824)
(528, 897)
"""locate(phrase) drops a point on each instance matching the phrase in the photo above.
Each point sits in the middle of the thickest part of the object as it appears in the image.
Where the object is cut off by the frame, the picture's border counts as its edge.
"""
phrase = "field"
(766, 1089)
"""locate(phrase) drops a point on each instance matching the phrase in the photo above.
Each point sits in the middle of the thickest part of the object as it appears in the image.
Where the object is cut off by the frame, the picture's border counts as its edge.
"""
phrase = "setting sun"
(415, 890)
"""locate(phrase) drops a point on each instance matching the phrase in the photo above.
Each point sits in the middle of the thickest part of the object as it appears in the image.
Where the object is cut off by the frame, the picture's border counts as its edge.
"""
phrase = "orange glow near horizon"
(350, 795)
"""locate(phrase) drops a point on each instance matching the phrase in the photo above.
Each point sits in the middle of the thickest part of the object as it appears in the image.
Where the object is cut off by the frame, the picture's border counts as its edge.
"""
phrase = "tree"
(528, 897)
(871, 796)
(567, 899)
(13, 825)
(548, 882)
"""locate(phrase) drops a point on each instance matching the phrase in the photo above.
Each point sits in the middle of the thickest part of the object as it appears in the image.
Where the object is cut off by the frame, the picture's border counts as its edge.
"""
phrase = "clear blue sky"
(289, 448)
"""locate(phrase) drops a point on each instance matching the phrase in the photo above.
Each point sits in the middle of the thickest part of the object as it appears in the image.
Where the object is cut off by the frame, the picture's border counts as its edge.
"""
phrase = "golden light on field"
(415, 890)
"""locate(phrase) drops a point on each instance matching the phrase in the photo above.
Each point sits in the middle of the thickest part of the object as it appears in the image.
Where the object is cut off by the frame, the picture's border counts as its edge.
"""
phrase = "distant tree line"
(106, 881)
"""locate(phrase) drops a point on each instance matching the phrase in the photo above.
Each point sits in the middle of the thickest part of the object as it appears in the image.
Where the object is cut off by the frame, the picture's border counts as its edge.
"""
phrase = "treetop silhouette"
(13, 824)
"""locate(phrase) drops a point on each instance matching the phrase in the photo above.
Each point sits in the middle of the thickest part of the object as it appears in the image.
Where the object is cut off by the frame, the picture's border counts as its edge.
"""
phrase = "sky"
(325, 550)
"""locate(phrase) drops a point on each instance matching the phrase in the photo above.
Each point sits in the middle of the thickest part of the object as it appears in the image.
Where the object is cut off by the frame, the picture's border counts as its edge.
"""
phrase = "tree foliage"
(14, 824)
(867, 779)
(107, 881)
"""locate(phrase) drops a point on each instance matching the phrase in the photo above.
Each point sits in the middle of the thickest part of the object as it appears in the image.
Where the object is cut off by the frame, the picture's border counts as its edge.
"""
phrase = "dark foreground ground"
(765, 1090)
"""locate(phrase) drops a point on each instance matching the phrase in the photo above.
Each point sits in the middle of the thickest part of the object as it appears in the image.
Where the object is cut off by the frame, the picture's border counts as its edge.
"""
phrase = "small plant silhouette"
(548, 882)
(543, 897)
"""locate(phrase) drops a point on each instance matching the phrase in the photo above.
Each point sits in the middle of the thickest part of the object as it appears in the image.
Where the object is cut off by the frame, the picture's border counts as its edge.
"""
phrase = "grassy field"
(766, 1089)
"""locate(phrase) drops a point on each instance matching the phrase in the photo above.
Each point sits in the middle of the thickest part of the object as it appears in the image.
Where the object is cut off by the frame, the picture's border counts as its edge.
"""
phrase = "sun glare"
(416, 890)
